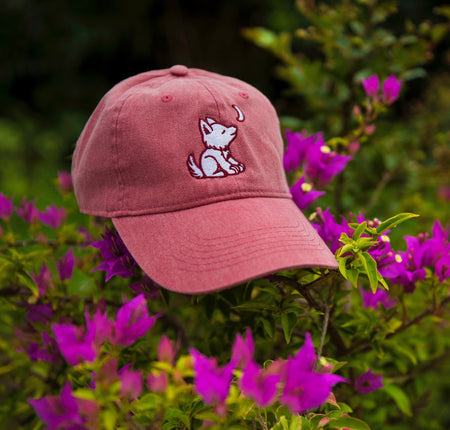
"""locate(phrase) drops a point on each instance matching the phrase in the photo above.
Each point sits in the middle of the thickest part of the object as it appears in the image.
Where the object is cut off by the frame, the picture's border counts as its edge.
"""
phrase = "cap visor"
(219, 245)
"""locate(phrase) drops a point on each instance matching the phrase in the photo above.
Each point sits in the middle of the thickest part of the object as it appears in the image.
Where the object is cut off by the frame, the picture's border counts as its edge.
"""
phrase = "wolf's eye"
(223, 131)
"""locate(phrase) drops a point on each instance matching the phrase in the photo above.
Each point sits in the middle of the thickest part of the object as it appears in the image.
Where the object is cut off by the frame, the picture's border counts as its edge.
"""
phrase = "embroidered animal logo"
(216, 160)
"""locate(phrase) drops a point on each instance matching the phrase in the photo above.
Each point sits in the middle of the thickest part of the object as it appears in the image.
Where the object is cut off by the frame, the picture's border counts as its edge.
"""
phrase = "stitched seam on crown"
(212, 95)
(117, 158)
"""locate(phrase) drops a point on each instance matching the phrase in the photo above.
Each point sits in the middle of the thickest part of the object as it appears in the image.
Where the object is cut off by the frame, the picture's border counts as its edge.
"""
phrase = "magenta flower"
(99, 327)
(65, 181)
(211, 381)
(371, 85)
(322, 164)
(75, 343)
(368, 382)
(48, 351)
(28, 211)
(158, 383)
(391, 89)
(39, 313)
(243, 349)
(146, 286)
(132, 322)
(130, 382)
(442, 268)
(118, 260)
(329, 230)
(261, 385)
(53, 216)
(297, 145)
(59, 412)
(303, 193)
(304, 388)
(167, 350)
(65, 265)
(373, 300)
(6, 207)
(43, 280)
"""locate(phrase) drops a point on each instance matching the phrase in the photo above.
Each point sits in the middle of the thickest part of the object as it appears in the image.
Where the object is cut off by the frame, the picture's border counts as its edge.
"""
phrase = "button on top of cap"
(178, 70)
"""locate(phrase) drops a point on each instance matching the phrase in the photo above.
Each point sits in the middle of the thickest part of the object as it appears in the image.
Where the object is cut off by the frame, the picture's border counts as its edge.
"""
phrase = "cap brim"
(223, 244)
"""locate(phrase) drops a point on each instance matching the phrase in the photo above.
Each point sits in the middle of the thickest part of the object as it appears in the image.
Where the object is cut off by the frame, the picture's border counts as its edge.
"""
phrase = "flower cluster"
(390, 88)
(294, 382)
(423, 252)
(78, 344)
(317, 161)
(117, 258)
(52, 216)
(403, 267)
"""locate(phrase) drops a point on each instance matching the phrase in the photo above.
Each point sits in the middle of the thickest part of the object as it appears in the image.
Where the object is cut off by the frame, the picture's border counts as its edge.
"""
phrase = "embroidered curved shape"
(241, 116)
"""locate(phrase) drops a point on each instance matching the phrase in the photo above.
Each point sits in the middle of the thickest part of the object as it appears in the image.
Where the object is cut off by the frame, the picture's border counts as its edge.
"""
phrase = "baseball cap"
(188, 165)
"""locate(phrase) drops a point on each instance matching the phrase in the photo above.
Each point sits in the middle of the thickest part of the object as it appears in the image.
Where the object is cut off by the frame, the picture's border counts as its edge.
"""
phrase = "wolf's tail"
(194, 170)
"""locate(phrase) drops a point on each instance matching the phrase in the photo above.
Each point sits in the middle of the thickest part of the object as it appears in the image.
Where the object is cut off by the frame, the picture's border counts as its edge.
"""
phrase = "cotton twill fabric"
(206, 248)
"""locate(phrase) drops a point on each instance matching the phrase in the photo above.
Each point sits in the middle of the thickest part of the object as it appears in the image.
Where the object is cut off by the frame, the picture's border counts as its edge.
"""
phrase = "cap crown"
(174, 139)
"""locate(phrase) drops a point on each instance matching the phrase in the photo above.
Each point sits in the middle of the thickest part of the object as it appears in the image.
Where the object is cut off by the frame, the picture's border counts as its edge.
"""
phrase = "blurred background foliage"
(60, 57)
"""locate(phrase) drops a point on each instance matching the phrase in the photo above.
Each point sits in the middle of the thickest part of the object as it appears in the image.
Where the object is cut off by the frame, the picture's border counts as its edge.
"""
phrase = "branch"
(304, 290)
(365, 346)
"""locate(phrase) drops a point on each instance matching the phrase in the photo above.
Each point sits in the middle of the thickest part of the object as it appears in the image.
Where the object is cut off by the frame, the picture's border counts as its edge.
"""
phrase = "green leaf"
(288, 322)
(109, 418)
(400, 398)
(359, 230)
(394, 221)
(269, 327)
(370, 266)
(350, 423)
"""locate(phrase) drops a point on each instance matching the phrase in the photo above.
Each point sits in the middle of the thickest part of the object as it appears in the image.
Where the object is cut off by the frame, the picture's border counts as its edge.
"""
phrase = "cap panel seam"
(116, 153)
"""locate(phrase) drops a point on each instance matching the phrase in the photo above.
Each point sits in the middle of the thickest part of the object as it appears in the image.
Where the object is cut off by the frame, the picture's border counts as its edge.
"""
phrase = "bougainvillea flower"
(59, 412)
(371, 85)
(157, 383)
(167, 350)
(99, 326)
(43, 279)
(297, 145)
(28, 211)
(391, 89)
(53, 216)
(322, 164)
(304, 388)
(211, 381)
(303, 194)
(146, 286)
(373, 300)
(75, 343)
(130, 382)
(65, 181)
(368, 382)
(261, 385)
(118, 260)
(65, 265)
(6, 207)
(132, 321)
(329, 230)
(442, 268)
(243, 349)
(47, 352)
(39, 313)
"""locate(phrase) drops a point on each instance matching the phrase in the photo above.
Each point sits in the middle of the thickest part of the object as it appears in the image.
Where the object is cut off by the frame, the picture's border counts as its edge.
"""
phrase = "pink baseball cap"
(188, 164)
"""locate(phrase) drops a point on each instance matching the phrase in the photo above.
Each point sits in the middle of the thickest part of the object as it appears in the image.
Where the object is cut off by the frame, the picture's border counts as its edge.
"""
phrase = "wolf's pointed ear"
(205, 127)
(210, 121)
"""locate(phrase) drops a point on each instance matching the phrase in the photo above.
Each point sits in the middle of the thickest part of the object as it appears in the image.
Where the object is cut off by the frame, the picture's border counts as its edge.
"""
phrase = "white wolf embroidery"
(216, 159)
